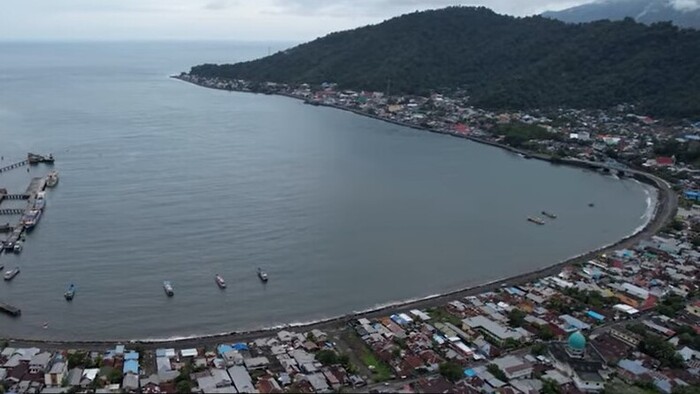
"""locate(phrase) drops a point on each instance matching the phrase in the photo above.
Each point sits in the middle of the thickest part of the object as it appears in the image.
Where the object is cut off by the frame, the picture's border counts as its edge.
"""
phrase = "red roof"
(665, 161)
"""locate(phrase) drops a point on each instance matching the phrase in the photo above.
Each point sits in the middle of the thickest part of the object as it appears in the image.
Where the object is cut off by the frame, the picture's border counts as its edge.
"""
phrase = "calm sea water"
(162, 180)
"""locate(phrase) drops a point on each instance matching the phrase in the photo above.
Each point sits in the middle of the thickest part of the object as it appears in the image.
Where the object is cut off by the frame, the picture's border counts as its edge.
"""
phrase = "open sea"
(164, 180)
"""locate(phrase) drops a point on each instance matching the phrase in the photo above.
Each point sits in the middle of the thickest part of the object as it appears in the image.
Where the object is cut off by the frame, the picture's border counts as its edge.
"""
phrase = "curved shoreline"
(664, 211)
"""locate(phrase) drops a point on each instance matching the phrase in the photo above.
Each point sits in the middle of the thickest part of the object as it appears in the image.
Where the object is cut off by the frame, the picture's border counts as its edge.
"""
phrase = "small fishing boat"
(18, 246)
(70, 293)
(9, 275)
(168, 287)
(52, 179)
(590, 204)
(220, 281)
(549, 215)
(535, 220)
(262, 275)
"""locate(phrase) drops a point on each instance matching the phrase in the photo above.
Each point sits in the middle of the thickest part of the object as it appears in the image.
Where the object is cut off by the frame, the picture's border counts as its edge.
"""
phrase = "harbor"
(28, 215)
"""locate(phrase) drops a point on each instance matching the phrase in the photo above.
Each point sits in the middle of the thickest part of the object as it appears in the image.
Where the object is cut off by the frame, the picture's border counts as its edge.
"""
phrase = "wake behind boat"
(262, 275)
(168, 287)
(220, 281)
(70, 293)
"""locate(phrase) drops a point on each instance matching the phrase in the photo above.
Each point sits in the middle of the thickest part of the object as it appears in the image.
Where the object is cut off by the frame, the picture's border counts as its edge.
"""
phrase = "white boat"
(262, 275)
(9, 275)
(52, 179)
(168, 288)
(18, 246)
(220, 281)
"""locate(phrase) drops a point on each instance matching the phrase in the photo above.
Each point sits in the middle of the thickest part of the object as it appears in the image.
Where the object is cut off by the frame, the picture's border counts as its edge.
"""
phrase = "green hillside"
(501, 61)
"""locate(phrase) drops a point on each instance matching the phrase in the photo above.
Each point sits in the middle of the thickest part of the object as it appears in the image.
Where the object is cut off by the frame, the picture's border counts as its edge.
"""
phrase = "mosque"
(581, 362)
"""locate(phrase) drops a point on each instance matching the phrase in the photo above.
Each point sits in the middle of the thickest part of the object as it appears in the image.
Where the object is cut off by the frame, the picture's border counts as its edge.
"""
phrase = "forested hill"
(501, 61)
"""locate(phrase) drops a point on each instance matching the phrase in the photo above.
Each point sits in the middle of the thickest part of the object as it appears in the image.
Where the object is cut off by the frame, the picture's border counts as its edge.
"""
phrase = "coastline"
(663, 211)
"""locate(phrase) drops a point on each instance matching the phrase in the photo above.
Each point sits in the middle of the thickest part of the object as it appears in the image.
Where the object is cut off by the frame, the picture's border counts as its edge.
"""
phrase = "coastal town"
(625, 319)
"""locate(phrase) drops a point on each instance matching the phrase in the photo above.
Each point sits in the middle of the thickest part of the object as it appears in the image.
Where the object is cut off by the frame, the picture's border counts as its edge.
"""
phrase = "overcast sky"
(245, 20)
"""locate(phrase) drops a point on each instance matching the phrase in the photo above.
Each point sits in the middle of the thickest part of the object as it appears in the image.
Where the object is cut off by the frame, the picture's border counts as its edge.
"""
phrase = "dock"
(9, 309)
(14, 165)
(33, 158)
(16, 232)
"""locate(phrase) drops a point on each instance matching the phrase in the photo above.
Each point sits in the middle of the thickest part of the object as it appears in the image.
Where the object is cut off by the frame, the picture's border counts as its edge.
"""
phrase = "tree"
(184, 387)
(327, 357)
(538, 349)
(549, 386)
(686, 390)
(115, 376)
(497, 372)
(545, 333)
(516, 317)
(451, 371)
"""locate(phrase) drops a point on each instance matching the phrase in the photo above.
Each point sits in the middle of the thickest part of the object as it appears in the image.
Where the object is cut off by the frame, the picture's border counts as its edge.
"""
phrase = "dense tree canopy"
(500, 61)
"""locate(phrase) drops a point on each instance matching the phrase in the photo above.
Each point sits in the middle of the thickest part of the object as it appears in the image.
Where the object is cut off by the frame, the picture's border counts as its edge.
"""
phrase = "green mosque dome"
(577, 341)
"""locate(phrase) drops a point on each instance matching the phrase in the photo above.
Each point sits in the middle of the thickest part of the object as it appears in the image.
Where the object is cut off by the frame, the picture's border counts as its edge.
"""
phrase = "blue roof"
(131, 366)
(240, 346)
(221, 349)
(131, 356)
(574, 322)
(634, 367)
(595, 315)
(469, 372)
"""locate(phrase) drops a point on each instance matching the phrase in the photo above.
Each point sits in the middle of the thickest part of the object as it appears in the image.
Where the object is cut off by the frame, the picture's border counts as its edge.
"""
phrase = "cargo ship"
(549, 215)
(262, 275)
(9, 275)
(168, 287)
(70, 293)
(52, 179)
(220, 281)
(535, 220)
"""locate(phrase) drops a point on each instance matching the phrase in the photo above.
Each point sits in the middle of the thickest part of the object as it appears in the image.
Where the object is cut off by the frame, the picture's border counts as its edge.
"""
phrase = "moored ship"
(220, 281)
(70, 293)
(18, 246)
(168, 287)
(40, 201)
(549, 215)
(31, 218)
(9, 275)
(262, 275)
(52, 179)
(535, 220)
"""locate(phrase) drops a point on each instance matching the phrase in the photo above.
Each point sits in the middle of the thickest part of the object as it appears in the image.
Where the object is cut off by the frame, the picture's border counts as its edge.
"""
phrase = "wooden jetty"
(9, 309)
(12, 211)
(14, 165)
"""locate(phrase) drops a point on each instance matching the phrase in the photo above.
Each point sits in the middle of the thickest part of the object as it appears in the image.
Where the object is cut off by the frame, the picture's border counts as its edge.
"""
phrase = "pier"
(14, 165)
(9, 309)
(12, 211)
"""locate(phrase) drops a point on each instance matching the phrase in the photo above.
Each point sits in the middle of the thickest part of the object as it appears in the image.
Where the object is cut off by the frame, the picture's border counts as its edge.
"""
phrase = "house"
(256, 363)
(131, 366)
(241, 379)
(494, 331)
(56, 374)
(694, 308)
(130, 382)
(514, 367)
(318, 382)
(39, 363)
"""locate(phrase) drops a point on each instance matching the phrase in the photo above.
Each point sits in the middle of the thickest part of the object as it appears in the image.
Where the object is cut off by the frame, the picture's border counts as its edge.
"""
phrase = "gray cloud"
(254, 20)
(686, 5)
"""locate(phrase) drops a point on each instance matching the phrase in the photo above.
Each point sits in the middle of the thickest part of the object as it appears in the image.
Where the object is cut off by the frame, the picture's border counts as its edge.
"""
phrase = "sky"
(242, 20)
